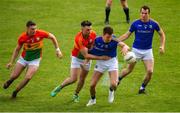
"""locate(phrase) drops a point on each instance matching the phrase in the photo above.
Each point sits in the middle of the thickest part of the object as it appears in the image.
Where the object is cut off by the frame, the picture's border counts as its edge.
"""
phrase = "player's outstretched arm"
(162, 41)
(124, 36)
(84, 52)
(54, 40)
(14, 55)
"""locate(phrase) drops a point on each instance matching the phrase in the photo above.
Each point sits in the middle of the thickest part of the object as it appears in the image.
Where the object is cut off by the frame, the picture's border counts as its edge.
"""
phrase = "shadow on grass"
(111, 23)
(8, 98)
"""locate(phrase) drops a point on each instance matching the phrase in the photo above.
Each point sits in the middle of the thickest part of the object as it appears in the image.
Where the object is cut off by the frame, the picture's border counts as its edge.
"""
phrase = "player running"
(32, 43)
(142, 47)
(82, 42)
(106, 45)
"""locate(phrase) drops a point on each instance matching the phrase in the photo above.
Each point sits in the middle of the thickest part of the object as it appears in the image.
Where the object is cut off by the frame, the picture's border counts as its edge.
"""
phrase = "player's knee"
(129, 70)
(114, 85)
(28, 77)
(73, 80)
(149, 72)
(109, 2)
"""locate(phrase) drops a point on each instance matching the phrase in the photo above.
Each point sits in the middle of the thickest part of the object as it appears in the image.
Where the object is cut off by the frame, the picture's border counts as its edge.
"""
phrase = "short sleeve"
(132, 27)
(79, 43)
(156, 27)
(93, 34)
(44, 34)
(20, 40)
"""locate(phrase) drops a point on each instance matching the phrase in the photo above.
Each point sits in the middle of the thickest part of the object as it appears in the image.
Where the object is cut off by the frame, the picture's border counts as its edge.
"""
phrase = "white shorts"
(25, 63)
(109, 65)
(143, 54)
(76, 62)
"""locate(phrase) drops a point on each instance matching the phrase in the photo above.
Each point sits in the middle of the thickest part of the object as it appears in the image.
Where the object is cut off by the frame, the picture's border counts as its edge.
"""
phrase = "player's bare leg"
(149, 65)
(126, 9)
(31, 70)
(95, 78)
(72, 79)
(107, 11)
(80, 84)
(14, 75)
(113, 84)
(126, 71)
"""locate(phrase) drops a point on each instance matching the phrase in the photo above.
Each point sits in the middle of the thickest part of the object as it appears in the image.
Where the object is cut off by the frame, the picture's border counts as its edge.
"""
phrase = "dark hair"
(108, 30)
(85, 23)
(145, 8)
(30, 23)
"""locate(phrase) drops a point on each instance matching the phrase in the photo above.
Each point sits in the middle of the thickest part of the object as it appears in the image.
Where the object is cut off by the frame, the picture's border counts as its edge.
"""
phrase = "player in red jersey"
(32, 43)
(83, 41)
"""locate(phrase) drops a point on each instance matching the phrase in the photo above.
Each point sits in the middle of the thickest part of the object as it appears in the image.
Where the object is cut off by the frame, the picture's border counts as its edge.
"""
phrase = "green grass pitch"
(62, 18)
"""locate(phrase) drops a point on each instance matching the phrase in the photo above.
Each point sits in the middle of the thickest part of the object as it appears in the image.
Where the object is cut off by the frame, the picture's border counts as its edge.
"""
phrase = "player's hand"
(124, 50)
(105, 58)
(161, 50)
(9, 65)
(59, 53)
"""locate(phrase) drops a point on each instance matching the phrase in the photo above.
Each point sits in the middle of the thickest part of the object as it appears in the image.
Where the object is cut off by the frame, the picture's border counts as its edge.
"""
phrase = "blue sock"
(93, 97)
(120, 78)
(143, 86)
(110, 89)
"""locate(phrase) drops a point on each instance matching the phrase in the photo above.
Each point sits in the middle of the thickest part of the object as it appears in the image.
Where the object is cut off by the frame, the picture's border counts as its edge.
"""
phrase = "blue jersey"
(101, 48)
(144, 32)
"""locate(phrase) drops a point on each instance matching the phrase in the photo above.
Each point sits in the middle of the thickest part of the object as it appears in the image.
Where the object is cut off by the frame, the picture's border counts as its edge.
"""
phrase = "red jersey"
(81, 42)
(32, 45)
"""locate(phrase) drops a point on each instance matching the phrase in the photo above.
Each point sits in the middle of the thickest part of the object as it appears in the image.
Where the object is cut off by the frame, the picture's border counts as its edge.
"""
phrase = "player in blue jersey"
(106, 45)
(142, 47)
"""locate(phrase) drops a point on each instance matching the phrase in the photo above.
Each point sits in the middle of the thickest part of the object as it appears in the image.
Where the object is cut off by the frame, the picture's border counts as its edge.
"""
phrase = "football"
(130, 57)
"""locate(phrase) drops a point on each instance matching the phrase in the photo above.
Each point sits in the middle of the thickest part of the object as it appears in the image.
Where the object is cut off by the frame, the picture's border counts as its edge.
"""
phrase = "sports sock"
(76, 94)
(126, 11)
(107, 9)
(111, 89)
(8, 83)
(143, 86)
(93, 97)
(120, 78)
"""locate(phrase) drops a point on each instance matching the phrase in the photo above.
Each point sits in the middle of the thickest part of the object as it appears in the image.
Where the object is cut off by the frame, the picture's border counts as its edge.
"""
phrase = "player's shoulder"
(41, 31)
(98, 38)
(93, 32)
(22, 35)
(136, 21)
(115, 40)
(78, 36)
(153, 21)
